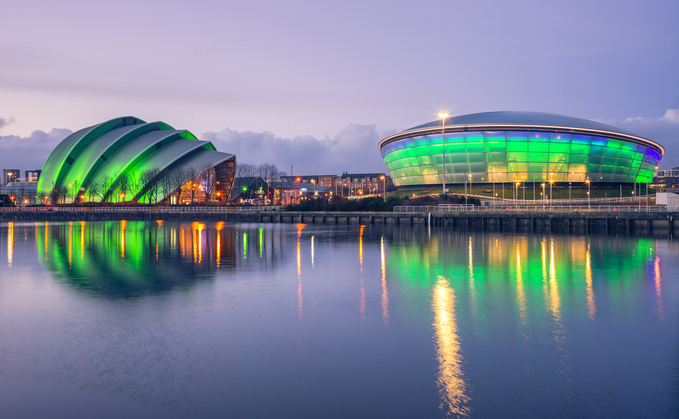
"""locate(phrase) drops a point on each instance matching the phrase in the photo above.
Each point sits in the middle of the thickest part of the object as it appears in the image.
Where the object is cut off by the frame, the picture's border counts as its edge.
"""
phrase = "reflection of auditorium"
(135, 257)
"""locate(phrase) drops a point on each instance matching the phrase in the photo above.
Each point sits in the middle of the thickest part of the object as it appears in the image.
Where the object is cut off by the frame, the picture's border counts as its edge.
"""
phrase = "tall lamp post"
(443, 116)
(543, 196)
(551, 203)
(589, 206)
(384, 188)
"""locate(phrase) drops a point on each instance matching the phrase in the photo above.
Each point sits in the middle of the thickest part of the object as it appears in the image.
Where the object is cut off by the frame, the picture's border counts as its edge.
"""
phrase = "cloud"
(664, 130)
(353, 149)
(5, 121)
(28, 153)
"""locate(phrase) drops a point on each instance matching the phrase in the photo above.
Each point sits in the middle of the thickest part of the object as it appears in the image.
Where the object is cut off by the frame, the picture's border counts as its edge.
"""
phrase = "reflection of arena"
(519, 147)
(132, 258)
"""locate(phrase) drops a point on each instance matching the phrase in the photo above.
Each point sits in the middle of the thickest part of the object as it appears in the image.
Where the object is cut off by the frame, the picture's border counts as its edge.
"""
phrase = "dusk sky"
(317, 84)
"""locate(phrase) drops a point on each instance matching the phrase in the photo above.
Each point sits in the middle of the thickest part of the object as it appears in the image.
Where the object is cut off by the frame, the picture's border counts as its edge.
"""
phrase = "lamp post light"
(516, 196)
(443, 116)
(543, 196)
(470, 185)
(589, 197)
(384, 188)
(551, 196)
(570, 204)
(647, 194)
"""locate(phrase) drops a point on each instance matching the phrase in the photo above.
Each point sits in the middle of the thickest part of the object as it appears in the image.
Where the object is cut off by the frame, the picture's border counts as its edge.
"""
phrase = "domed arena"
(127, 159)
(494, 147)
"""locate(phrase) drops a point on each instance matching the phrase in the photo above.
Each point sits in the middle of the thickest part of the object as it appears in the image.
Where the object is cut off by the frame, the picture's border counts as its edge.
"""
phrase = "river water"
(160, 319)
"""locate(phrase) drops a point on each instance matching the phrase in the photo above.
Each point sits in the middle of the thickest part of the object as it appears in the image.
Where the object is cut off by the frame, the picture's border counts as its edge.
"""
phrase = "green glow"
(122, 148)
(518, 156)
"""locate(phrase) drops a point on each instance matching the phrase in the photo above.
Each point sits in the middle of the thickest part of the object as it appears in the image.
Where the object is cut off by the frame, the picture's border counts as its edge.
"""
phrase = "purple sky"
(317, 84)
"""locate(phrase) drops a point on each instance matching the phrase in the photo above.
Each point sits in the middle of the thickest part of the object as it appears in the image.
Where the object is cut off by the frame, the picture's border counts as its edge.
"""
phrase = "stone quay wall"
(475, 221)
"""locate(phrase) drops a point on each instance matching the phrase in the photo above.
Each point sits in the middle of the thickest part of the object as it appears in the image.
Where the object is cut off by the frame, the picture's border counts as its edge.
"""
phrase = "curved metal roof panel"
(131, 153)
(94, 154)
(521, 121)
(65, 153)
(522, 118)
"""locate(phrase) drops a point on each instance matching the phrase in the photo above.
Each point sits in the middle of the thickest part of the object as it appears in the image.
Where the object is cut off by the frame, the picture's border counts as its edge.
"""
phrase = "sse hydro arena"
(493, 147)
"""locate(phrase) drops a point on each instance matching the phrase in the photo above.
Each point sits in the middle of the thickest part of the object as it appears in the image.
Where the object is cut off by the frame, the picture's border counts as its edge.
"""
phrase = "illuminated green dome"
(513, 147)
(127, 154)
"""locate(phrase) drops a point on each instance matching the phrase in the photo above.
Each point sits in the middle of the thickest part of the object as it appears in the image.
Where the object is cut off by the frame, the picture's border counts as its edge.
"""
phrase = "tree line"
(127, 186)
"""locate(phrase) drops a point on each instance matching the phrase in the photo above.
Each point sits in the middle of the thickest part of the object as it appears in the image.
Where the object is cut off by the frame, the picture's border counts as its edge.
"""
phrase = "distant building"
(360, 184)
(20, 193)
(673, 172)
(322, 180)
(348, 184)
(32, 175)
(10, 175)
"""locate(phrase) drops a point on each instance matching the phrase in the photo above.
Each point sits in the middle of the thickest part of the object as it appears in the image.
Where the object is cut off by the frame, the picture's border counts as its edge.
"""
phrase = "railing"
(642, 198)
(534, 208)
(260, 208)
(421, 208)
(171, 209)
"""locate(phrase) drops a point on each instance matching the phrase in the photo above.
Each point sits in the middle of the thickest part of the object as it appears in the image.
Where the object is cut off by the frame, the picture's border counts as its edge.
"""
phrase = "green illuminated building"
(127, 159)
(495, 147)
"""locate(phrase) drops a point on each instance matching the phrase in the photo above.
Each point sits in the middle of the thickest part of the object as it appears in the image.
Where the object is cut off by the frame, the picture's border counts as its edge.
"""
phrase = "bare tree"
(122, 186)
(208, 180)
(174, 182)
(40, 197)
(246, 170)
(192, 174)
(147, 178)
(268, 172)
(98, 187)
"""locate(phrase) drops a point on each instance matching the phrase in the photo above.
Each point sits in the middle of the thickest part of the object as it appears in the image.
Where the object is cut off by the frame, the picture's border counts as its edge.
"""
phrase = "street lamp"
(516, 195)
(443, 116)
(589, 206)
(543, 196)
(384, 188)
(551, 197)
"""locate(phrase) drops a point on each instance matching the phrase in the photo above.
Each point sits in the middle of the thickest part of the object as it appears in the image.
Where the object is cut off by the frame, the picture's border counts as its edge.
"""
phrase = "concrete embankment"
(475, 221)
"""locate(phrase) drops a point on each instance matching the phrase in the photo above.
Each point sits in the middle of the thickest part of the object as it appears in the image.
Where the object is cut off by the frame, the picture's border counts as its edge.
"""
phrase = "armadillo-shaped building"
(94, 163)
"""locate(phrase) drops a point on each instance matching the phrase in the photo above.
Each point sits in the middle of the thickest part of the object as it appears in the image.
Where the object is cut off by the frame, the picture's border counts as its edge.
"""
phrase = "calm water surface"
(149, 319)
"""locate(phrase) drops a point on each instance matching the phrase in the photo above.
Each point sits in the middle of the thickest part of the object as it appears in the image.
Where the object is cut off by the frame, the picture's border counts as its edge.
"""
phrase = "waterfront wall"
(475, 221)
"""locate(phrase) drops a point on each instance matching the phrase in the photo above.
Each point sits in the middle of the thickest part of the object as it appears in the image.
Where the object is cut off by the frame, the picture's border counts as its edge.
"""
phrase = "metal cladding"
(128, 146)
(519, 147)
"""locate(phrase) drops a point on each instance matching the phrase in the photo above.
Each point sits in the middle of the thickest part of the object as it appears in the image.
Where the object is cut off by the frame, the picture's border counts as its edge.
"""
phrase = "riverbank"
(582, 221)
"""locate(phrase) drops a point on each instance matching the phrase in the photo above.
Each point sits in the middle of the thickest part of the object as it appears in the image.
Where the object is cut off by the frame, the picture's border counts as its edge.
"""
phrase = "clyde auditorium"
(500, 147)
(129, 148)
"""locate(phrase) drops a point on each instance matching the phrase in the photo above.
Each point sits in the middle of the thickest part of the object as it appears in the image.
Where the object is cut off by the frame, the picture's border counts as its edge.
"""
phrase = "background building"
(496, 147)
(32, 175)
(10, 175)
(127, 159)
(673, 172)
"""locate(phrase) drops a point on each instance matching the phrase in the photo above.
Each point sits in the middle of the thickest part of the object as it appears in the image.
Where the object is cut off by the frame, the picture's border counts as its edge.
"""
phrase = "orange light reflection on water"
(10, 243)
(300, 297)
(360, 253)
(123, 224)
(591, 306)
(450, 378)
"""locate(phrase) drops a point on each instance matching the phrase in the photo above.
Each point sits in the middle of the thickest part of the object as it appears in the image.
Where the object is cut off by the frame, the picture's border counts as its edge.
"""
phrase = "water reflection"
(10, 243)
(463, 324)
(450, 380)
(128, 258)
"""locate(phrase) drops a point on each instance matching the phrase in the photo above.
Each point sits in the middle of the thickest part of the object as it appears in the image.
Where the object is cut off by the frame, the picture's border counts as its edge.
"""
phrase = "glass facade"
(518, 156)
